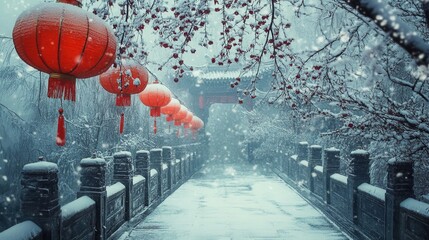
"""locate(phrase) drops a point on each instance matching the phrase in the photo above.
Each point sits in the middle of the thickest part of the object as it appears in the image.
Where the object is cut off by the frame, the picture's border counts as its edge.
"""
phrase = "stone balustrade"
(100, 211)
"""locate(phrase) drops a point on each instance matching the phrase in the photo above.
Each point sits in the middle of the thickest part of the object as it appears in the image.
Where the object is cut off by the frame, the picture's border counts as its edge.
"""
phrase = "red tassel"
(154, 126)
(61, 130)
(62, 86)
(169, 118)
(177, 122)
(178, 132)
(123, 100)
(121, 123)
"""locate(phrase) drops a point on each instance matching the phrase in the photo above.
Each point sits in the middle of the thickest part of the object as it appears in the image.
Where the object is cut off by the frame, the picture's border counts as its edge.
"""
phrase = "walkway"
(232, 201)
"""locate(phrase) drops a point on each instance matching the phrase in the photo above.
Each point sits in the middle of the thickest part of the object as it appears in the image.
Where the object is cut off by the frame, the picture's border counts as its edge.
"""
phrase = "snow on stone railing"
(351, 199)
(22, 231)
(99, 208)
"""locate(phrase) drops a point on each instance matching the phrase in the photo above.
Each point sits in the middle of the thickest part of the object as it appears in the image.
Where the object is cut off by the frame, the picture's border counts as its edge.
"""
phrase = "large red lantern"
(155, 96)
(123, 81)
(67, 43)
(170, 109)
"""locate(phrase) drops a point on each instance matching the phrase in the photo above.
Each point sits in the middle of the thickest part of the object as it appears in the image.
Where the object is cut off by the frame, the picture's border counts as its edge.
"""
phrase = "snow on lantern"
(123, 81)
(155, 96)
(66, 42)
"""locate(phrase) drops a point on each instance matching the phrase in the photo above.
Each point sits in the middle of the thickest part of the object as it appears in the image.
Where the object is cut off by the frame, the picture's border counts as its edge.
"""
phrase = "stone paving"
(234, 201)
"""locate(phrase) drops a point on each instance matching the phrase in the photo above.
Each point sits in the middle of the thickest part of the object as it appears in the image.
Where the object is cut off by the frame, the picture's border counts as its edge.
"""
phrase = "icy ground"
(234, 201)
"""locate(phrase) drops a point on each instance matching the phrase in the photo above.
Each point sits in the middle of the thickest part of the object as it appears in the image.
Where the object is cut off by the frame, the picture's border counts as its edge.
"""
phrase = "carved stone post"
(93, 185)
(40, 197)
(358, 174)
(123, 173)
(156, 160)
(143, 168)
(167, 158)
(400, 183)
(314, 159)
(331, 165)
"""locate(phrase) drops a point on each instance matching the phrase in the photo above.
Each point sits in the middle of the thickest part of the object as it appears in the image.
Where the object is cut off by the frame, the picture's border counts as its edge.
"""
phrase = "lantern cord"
(154, 125)
(178, 132)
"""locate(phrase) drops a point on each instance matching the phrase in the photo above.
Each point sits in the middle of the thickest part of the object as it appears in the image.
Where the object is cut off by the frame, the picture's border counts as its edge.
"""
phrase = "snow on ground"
(248, 204)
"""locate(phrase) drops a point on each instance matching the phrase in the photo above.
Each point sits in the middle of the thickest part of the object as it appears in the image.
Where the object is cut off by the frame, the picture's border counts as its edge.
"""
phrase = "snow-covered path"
(233, 201)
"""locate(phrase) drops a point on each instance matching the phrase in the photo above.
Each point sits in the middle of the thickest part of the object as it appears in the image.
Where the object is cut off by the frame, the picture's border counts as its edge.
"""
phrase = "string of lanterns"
(67, 42)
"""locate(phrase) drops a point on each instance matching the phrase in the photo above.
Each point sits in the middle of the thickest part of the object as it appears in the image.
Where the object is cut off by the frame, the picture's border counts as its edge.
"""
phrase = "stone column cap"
(122, 154)
(359, 152)
(93, 162)
(316, 146)
(303, 143)
(142, 152)
(167, 147)
(40, 167)
(332, 149)
(395, 161)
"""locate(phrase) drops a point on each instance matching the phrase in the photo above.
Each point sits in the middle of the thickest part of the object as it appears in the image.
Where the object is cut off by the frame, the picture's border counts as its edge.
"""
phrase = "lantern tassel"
(61, 130)
(178, 132)
(155, 112)
(154, 126)
(121, 123)
(62, 86)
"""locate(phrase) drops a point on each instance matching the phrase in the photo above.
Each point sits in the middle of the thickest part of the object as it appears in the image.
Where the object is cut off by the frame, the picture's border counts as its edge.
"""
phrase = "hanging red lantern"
(180, 115)
(170, 109)
(196, 124)
(155, 96)
(188, 119)
(67, 43)
(123, 81)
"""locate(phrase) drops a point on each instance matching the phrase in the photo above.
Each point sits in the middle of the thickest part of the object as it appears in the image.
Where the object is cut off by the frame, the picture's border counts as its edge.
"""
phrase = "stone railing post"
(143, 168)
(400, 183)
(40, 197)
(314, 159)
(93, 185)
(167, 158)
(358, 174)
(331, 165)
(123, 173)
(178, 154)
(156, 161)
(302, 151)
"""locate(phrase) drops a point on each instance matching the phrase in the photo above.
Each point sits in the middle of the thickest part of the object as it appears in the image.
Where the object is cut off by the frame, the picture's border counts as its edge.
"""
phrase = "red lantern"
(196, 124)
(155, 96)
(67, 43)
(124, 81)
(187, 120)
(170, 109)
(180, 115)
